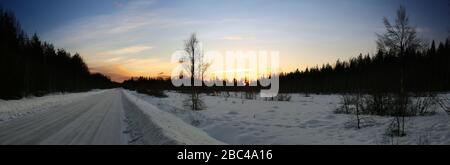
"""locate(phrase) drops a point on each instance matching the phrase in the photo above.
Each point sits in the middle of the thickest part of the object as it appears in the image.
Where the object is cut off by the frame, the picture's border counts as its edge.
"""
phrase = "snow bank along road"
(102, 117)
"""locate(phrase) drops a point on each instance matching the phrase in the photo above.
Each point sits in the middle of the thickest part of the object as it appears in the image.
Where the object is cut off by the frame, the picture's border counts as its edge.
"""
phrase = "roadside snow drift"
(153, 126)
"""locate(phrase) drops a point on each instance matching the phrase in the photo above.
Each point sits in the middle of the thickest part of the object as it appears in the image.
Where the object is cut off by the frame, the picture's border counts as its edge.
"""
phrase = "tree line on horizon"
(426, 70)
(29, 66)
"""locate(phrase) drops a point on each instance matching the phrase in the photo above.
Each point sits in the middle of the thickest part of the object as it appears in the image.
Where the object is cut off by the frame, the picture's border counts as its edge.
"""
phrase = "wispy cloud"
(118, 4)
(233, 38)
(236, 38)
(127, 50)
(134, 18)
(423, 30)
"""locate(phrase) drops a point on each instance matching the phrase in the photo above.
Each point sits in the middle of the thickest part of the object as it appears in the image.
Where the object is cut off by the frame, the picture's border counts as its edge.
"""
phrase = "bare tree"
(398, 39)
(203, 65)
(196, 67)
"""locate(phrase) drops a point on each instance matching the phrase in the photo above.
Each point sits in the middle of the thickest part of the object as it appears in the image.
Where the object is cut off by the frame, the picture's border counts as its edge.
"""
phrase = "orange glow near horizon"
(120, 73)
(121, 70)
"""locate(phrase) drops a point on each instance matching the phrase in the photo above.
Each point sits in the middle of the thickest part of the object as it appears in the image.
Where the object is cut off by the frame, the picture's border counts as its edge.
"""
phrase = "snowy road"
(95, 119)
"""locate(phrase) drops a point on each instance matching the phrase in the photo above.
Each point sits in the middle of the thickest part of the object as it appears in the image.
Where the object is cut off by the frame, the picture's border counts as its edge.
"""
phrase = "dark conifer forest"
(425, 70)
(29, 66)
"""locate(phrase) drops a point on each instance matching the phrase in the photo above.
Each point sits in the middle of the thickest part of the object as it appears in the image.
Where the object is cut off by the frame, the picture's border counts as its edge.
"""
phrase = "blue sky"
(137, 37)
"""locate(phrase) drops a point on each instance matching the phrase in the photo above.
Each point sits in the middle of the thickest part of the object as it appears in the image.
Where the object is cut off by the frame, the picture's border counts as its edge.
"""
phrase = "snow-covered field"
(303, 120)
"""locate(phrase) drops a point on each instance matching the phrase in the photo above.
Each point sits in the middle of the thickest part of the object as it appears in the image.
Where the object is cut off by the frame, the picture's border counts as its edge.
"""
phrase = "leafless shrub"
(153, 92)
(424, 105)
(195, 122)
(283, 97)
(359, 121)
(395, 129)
(226, 95)
(444, 103)
(378, 103)
(355, 104)
(400, 112)
(194, 99)
(279, 97)
(249, 95)
(347, 104)
(424, 139)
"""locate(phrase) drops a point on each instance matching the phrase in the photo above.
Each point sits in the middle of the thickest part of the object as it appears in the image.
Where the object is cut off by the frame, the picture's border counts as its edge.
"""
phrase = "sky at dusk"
(124, 38)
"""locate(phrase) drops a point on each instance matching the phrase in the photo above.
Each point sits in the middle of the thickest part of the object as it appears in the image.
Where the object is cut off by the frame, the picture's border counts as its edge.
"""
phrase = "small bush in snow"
(378, 103)
(423, 105)
(199, 104)
(195, 122)
(226, 95)
(395, 128)
(444, 102)
(283, 97)
(424, 138)
(153, 92)
(250, 95)
(347, 104)
(279, 97)
(360, 122)
(354, 104)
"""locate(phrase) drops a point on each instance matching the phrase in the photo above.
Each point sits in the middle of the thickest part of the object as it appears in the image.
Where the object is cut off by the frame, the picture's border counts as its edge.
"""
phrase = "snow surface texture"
(154, 126)
(19, 108)
(303, 120)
